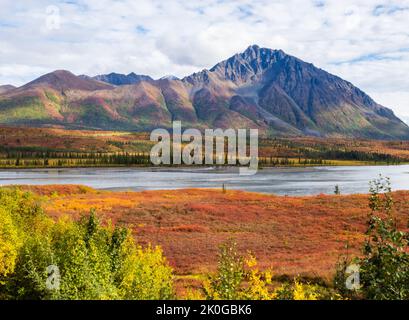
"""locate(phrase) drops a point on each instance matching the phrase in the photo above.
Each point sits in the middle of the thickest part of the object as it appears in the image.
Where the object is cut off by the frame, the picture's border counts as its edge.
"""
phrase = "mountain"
(62, 80)
(259, 88)
(295, 97)
(6, 88)
(118, 79)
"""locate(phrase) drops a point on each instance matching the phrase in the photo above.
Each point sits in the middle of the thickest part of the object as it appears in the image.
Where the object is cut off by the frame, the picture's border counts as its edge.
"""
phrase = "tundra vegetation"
(100, 259)
(94, 261)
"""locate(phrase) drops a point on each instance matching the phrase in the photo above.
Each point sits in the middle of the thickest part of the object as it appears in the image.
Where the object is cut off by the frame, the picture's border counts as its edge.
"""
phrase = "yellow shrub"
(9, 243)
(145, 273)
(192, 294)
(304, 291)
(257, 282)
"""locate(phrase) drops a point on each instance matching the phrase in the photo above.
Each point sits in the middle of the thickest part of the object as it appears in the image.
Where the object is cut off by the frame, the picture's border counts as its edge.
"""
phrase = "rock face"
(259, 88)
(292, 95)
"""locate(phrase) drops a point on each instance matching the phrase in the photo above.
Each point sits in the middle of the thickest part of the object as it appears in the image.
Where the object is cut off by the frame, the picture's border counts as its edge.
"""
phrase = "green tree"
(384, 265)
(225, 284)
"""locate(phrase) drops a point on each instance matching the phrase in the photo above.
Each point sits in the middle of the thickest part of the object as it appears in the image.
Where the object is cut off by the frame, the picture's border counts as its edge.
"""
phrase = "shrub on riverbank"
(384, 264)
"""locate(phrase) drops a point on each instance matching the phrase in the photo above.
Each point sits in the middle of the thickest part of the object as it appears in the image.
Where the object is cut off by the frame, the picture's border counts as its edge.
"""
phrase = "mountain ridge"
(258, 88)
(122, 79)
(6, 87)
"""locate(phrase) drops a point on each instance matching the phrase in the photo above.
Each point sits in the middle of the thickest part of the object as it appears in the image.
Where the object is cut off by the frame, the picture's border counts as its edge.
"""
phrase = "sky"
(363, 41)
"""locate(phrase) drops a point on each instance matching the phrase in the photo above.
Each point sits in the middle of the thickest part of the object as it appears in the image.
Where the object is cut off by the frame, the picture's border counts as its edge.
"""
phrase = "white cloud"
(364, 41)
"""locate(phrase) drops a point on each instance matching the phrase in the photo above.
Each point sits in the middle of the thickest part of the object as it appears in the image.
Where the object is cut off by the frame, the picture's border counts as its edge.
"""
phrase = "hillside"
(260, 88)
(6, 88)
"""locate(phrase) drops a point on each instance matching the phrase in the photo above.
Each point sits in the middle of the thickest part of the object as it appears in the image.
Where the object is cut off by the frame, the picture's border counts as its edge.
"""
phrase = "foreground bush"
(19, 212)
(9, 243)
(239, 278)
(384, 264)
(43, 259)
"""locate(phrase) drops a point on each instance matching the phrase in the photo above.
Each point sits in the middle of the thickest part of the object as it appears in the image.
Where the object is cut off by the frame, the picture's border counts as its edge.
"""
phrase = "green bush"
(384, 264)
(225, 284)
(94, 261)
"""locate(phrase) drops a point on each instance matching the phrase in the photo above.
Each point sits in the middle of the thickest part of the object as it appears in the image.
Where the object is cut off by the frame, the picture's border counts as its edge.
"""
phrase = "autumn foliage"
(92, 261)
(123, 245)
(292, 235)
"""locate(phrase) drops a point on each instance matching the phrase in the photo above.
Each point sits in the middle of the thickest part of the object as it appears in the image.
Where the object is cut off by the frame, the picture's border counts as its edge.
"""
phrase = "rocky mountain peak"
(249, 65)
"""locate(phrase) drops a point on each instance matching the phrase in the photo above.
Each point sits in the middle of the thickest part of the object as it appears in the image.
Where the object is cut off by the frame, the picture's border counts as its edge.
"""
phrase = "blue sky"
(363, 41)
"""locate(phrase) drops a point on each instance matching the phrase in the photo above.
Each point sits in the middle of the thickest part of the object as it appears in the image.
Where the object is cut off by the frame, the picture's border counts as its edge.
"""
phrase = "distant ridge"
(65, 80)
(122, 79)
(169, 77)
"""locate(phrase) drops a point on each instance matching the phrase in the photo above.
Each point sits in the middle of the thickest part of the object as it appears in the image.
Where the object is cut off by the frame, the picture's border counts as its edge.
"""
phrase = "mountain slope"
(272, 84)
(62, 80)
(6, 88)
(259, 88)
(41, 102)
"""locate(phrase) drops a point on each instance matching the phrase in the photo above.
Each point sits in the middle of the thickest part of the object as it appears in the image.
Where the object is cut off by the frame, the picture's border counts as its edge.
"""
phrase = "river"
(282, 181)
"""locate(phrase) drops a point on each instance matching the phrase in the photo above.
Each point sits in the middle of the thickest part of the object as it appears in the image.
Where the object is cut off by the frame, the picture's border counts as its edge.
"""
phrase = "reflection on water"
(290, 181)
